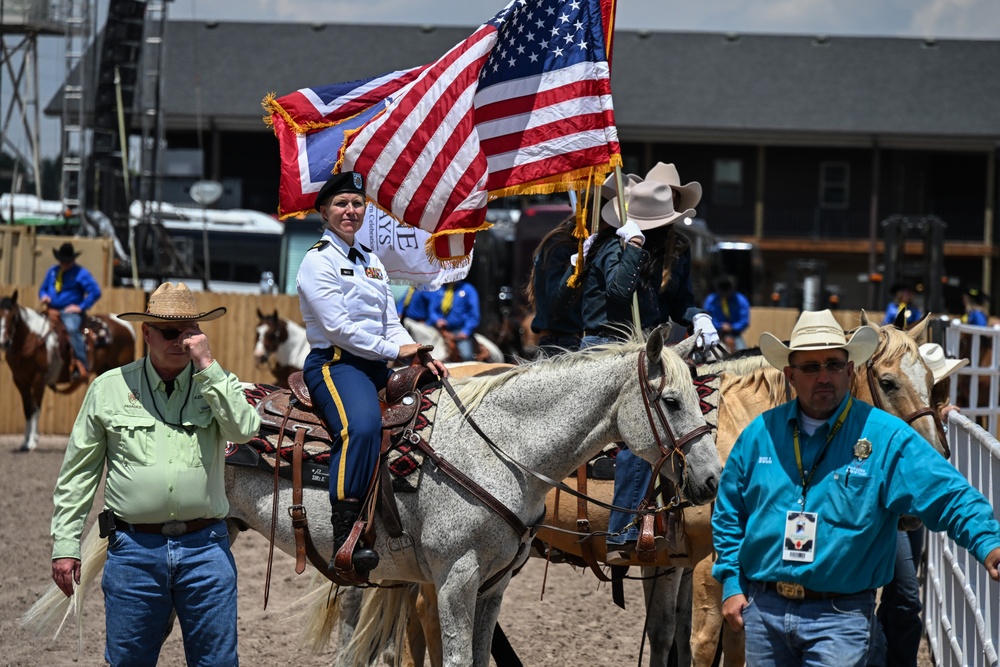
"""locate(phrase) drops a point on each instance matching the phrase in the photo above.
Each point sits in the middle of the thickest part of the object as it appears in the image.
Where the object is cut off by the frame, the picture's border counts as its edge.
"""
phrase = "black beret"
(348, 181)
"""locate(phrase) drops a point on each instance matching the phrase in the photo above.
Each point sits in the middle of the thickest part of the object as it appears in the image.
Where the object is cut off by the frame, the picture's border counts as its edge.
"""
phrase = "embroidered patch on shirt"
(347, 272)
(374, 273)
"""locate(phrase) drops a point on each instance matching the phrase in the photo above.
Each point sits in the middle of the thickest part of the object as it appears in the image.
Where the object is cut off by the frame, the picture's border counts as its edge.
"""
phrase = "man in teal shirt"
(805, 520)
(161, 424)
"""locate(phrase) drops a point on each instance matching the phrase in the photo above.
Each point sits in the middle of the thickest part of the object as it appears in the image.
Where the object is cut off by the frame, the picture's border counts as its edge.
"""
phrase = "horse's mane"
(895, 343)
(739, 363)
(472, 390)
(773, 380)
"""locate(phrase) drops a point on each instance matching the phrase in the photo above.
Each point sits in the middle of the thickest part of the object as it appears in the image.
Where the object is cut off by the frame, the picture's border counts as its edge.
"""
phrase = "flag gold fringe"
(569, 181)
(580, 231)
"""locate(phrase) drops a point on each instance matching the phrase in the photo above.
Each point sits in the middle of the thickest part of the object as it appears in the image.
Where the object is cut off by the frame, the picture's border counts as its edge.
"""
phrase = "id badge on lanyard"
(800, 536)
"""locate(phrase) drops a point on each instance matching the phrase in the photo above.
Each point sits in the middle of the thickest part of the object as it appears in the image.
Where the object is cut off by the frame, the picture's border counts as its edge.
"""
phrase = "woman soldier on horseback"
(353, 330)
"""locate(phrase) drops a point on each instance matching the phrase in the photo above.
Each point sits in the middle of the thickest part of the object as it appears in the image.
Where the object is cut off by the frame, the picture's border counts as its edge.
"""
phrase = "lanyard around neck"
(798, 451)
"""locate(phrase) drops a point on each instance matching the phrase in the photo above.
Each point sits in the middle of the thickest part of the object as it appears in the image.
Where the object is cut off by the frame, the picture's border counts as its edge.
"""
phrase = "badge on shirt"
(347, 272)
(800, 536)
(862, 449)
(374, 273)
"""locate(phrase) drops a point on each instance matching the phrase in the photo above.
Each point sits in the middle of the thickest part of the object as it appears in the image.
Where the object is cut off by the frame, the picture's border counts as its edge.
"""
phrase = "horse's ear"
(917, 331)
(654, 345)
(14, 298)
(864, 318)
(260, 315)
(686, 347)
(275, 316)
(900, 321)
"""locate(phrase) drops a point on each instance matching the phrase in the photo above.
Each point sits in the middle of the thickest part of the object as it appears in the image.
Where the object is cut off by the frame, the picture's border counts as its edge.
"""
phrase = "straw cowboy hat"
(650, 205)
(941, 367)
(609, 190)
(685, 196)
(65, 253)
(819, 331)
(173, 303)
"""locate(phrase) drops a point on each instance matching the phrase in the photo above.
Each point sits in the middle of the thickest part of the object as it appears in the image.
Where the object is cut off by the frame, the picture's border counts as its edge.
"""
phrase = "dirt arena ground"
(575, 624)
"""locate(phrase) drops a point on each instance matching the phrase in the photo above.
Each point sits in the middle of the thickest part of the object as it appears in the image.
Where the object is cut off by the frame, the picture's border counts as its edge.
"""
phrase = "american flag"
(521, 106)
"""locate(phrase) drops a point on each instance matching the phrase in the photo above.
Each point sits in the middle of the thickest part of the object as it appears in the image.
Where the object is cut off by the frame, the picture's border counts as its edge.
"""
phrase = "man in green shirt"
(161, 425)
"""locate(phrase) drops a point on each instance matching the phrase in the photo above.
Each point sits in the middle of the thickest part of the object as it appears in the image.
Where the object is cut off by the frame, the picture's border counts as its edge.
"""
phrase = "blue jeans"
(632, 476)
(466, 348)
(73, 323)
(830, 633)
(148, 576)
(900, 607)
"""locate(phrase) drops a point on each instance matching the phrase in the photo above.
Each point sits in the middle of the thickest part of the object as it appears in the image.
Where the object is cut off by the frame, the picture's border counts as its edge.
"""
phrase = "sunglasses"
(168, 334)
(832, 367)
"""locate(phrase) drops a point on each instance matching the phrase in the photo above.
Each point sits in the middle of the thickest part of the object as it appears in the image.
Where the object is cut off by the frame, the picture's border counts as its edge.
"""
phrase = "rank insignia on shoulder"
(862, 449)
(319, 244)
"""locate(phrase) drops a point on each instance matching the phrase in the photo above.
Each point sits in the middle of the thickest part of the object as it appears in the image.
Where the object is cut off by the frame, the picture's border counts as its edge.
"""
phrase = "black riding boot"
(345, 514)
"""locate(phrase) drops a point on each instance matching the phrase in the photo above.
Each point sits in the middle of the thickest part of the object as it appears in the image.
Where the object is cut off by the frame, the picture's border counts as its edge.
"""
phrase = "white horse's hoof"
(27, 446)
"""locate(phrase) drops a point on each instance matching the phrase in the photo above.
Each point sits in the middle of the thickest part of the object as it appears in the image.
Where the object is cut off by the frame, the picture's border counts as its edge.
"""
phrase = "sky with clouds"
(942, 19)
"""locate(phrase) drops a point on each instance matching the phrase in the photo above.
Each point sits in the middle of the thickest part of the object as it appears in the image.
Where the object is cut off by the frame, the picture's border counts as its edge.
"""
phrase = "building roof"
(666, 85)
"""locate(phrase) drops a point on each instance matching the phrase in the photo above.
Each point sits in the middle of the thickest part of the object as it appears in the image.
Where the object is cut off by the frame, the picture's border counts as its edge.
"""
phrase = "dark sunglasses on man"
(168, 334)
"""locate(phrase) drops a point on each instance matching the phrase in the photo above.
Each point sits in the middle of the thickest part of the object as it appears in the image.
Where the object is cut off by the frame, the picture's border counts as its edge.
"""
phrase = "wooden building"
(804, 144)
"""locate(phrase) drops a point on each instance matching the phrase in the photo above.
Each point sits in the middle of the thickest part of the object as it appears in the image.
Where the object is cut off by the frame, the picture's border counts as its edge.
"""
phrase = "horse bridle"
(925, 411)
(676, 450)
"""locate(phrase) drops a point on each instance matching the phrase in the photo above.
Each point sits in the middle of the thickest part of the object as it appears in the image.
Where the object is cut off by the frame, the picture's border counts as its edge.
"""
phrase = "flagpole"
(620, 186)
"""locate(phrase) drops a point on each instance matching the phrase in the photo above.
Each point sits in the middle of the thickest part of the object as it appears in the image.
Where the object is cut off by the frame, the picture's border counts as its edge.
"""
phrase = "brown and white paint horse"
(31, 345)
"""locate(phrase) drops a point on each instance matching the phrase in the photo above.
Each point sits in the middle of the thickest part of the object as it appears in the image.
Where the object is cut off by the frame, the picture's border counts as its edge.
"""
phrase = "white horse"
(550, 416)
(425, 334)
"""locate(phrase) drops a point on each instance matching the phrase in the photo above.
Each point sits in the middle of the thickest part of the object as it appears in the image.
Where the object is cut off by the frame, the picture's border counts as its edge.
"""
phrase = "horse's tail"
(52, 610)
(382, 625)
(322, 615)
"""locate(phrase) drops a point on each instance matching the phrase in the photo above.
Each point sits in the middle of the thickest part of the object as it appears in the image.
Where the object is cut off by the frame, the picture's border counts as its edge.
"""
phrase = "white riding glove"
(586, 248)
(703, 325)
(629, 231)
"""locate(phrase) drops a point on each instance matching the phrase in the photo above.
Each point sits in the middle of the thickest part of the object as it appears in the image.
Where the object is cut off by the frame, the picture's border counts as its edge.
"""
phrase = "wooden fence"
(232, 339)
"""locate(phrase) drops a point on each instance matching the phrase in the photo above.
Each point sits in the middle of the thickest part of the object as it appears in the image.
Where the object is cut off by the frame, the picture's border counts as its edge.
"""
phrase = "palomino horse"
(896, 380)
(542, 419)
(282, 344)
(33, 353)
(444, 350)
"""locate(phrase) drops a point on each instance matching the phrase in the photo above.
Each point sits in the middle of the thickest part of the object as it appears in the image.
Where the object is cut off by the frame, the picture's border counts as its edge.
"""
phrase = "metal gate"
(961, 602)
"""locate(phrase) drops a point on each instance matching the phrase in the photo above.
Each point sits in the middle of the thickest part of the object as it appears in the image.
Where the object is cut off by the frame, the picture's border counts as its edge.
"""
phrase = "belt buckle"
(789, 590)
(174, 529)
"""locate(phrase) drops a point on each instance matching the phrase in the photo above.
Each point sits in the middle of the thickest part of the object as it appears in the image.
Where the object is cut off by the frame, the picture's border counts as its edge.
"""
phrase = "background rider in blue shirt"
(72, 290)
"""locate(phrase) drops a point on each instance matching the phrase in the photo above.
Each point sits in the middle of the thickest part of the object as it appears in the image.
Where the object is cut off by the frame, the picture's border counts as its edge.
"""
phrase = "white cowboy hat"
(650, 205)
(170, 303)
(819, 331)
(941, 367)
(609, 189)
(685, 196)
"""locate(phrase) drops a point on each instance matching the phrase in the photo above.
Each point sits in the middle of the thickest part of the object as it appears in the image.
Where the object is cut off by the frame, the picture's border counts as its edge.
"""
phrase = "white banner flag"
(402, 250)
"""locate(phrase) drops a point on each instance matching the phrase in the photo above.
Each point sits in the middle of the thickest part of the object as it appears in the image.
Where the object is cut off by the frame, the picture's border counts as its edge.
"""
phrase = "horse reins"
(676, 443)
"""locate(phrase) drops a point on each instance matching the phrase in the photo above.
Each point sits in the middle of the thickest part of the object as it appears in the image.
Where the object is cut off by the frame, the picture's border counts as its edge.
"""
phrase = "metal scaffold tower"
(73, 143)
(22, 22)
(151, 88)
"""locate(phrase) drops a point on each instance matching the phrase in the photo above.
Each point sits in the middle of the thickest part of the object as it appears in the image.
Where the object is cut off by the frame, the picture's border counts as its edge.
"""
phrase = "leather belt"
(168, 529)
(792, 591)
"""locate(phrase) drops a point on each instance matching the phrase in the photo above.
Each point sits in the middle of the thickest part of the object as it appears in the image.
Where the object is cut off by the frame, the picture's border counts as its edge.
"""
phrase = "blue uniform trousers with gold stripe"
(345, 387)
